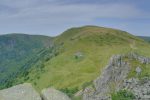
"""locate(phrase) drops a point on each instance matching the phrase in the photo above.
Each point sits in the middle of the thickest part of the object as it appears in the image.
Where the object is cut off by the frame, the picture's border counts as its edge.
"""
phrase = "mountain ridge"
(78, 56)
(91, 30)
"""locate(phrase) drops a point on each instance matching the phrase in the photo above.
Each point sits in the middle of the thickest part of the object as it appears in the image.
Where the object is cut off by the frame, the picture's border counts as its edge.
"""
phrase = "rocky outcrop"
(53, 94)
(26, 92)
(140, 88)
(114, 78)
(20, 92)
(142, 59)
(113, 75)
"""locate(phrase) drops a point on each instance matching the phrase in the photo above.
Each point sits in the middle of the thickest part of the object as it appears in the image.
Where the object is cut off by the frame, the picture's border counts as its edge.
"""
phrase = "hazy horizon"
(52, 17)
(60, 33)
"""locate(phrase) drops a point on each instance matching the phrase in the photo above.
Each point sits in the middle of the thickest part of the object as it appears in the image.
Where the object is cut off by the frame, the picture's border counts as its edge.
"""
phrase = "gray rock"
(88, 93)
(140, 89)
(19, 92)
(113, 74)
(113, 78)
(138, 70)
(78, 55)
(79, 93)
(144, 60)
(53, 94)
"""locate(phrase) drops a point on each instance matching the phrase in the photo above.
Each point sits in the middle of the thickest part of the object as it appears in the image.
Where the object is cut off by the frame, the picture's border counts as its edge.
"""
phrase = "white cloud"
(49, 12)
(74, 11)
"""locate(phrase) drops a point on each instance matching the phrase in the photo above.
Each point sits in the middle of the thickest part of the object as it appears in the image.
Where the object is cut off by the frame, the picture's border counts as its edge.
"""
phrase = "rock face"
(53, 94)
(112, 76)
(142, 59)
(140, 88)
(20, 92)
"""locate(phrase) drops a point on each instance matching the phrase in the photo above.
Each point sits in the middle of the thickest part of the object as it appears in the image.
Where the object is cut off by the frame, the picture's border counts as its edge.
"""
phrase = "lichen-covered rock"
(19, 92)
(116, 71)
(111, 79)
(114, 78)
(142, 59)
(79, 93)
(138, 70)
(53, 94)
(140, 88)
(88, 93)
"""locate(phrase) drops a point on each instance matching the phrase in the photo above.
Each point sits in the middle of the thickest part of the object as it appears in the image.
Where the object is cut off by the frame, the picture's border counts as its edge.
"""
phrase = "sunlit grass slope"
(84, 52)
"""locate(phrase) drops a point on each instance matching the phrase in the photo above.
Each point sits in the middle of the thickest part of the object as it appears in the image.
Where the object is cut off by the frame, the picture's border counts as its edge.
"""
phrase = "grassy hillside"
(82, 55)
(68, 62)
(16, 50)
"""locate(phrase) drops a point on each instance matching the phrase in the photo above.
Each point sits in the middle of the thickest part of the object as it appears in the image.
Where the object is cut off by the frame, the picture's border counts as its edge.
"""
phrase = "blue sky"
(52, 17)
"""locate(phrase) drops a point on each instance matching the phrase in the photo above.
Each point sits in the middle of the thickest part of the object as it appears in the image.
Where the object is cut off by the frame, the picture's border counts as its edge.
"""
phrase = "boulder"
(78, 55)
(20, 92)
(140, 88)
(53, 94)
(138, 70)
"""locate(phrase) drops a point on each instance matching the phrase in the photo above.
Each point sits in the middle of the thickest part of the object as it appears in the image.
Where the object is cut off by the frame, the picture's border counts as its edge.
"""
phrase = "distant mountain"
(18, 49)
(146, 38)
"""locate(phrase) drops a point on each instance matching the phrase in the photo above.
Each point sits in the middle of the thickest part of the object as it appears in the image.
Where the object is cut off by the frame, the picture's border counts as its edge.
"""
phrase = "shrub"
(123, 95)
(70, 91)
(35, 83)
(26, 78)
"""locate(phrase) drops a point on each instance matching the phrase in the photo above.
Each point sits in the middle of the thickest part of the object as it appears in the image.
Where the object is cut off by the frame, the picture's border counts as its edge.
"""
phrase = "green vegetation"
(17, 52)
(59, 66)
(87, 84)
(123, 95)
(70, 91)
(145, 69)
(77, 98)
